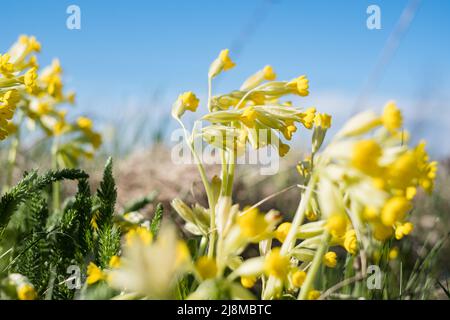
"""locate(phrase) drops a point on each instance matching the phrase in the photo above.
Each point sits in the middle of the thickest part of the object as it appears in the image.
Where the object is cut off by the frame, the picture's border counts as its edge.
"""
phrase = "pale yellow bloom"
(330, 259)
(276, 264)
(206, 267)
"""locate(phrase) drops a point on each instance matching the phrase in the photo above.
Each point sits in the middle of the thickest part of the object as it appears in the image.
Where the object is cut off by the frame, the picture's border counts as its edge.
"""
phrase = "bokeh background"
(131, 58)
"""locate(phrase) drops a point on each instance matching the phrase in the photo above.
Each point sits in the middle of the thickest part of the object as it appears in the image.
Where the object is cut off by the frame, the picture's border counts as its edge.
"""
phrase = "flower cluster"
(39, 95)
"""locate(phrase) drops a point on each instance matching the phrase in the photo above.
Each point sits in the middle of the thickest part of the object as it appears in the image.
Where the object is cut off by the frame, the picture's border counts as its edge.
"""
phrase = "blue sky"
(137, 55)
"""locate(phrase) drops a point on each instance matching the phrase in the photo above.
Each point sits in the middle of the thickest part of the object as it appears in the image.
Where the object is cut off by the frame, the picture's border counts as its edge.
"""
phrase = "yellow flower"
(351, 242)
(84, 123)
(114, 262)
(392, 117)
(404, 170)
(403, 230)
(365, 156)
(6, 68)
(190, 101)
(313, 295)
(248, 282)
(182, 253)
(206, 267)
(282, 231)
(141, 234)
(370, 214)
(269, 74)
(60, 127)
(30, 79)
(11, 98)
(393, 253)
(248, 117)
(276, 264)
(410, 193)
(289, 129)
(394, 210)
(224, 56)
(308, 117)
(322, 120)
(330, 259)
(252, 223)
(337, 225)
(283, 149)
(186, 101)
(381, 232)
(299, 86)
(298, 278)
(94, 273)
(26, 292)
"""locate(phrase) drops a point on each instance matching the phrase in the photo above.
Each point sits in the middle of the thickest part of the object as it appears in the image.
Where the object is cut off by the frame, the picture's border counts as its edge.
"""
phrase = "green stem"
(231, 170)
(271, 289)
(12, 155)
(224, 172)
(312, 272)
(56, 188)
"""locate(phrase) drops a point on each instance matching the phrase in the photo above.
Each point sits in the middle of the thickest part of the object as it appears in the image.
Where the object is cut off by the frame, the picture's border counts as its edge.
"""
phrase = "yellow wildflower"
(141, 234)
(6, 68)
(282, 231)
(30, 79)
(252, 223)
(26, 292)
(392, 117)
(393, 253)
(114, 262)
(269, 74)
(322, 120)
(313, 295)
(298, 277)
(330, 259)
(84, 123)
(283, 149)
(248, 117)
(382, 232)
(248, 282)
(351, 242)
(186, 101)
(276, 264)
(395, 210)
(308, 117)
(403, 230)
(337, 225)
(206, 267)
(299, 86)
(365, 156)
(94, 273)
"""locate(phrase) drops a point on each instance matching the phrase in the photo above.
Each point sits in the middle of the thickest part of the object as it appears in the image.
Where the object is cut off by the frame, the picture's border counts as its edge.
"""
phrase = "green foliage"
(43, 244)
(156, 221)
(140, 203)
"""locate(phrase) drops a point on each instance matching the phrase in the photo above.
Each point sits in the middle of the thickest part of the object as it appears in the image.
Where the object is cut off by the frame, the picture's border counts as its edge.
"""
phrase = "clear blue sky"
(129, 51)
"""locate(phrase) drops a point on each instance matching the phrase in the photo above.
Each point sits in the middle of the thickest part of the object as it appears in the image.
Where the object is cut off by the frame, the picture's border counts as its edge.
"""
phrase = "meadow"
(361, 214)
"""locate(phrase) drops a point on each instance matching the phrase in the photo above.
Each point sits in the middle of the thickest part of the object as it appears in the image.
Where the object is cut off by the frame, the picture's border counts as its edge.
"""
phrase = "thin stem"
(12, 155)
(312, 272)
(271, 287)
(224, 173)
(208, 189)
(209, 93)
(56, 188)
(231, 170)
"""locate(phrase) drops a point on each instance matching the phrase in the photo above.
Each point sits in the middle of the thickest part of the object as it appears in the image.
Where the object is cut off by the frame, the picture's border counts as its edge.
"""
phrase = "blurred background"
(131, 59)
